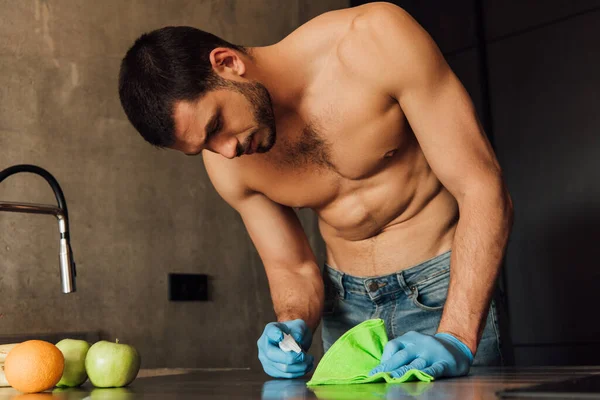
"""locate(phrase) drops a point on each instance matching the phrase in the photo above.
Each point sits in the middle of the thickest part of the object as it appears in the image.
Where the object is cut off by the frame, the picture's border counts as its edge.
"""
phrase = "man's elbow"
(490, 197)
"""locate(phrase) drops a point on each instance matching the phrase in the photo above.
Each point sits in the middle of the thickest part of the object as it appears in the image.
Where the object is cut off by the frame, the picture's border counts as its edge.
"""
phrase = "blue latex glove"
(441, 355)
(278, 363)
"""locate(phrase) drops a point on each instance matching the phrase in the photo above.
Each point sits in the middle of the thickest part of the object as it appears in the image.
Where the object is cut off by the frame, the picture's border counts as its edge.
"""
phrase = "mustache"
(242, 147)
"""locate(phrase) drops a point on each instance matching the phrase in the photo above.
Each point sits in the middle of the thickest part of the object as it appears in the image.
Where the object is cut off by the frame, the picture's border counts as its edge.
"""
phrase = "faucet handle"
(67, 267)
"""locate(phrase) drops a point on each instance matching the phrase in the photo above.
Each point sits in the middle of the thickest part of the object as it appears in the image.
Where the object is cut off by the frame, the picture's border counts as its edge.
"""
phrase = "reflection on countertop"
(181, 384)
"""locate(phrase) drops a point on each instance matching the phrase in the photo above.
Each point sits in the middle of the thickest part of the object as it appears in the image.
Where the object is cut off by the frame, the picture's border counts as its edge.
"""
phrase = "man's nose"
(227, 147)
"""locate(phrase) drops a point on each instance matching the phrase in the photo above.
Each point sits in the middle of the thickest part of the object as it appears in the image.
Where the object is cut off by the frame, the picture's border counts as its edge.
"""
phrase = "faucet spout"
(67, 263)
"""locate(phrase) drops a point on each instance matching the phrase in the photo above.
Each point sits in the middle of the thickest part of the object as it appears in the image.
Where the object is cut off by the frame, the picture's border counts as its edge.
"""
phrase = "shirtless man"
(357, 116)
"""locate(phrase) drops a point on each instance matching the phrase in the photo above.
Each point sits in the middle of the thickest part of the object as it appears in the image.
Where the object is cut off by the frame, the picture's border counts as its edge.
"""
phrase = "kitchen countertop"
(183, 384)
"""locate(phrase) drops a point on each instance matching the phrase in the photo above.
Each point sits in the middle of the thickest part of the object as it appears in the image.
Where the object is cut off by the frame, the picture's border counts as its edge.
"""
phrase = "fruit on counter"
(74, 351)
(4, 349)
(111, 364)
(34, 366)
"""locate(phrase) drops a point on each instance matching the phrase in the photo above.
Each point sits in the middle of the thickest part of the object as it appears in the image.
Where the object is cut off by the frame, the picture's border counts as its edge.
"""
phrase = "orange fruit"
(34, 366)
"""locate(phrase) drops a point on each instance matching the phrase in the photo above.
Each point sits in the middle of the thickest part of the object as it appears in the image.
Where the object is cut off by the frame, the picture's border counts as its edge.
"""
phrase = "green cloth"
(350, 359)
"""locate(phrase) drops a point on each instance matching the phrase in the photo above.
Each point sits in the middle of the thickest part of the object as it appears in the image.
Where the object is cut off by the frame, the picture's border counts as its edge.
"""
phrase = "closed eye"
(216, 124)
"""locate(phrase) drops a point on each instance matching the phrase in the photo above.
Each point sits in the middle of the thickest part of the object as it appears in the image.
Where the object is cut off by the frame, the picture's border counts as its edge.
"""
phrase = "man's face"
(232, 121)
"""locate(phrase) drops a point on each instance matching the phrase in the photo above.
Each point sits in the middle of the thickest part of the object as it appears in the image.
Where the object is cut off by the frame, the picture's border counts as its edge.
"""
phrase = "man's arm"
(294, 278)
(404, 62)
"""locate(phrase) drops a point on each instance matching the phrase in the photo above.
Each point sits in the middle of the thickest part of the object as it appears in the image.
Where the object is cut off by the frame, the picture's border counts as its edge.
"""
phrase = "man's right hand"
(281, 364)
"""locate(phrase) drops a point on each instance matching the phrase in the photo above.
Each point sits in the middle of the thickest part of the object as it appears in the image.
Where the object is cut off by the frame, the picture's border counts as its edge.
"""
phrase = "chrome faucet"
(67, 264)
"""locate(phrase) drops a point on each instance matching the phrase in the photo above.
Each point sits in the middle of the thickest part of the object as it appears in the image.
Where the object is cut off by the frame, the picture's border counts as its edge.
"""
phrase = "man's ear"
(227, 63)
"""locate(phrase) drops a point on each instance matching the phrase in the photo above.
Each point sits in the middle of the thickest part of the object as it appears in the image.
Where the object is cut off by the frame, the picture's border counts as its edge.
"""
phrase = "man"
(357, 116)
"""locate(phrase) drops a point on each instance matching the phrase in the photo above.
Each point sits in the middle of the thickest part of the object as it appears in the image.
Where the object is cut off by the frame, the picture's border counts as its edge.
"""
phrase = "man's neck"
(284, 77)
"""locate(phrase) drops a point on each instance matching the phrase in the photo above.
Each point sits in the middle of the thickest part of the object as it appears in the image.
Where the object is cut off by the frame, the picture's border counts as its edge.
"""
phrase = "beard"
(260, 100)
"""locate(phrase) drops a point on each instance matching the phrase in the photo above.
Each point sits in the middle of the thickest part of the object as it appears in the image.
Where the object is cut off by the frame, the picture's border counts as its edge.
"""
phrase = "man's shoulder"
(329, 27)
(353, 36)
(227, 177)
(372, 26)
(344, 17)
(360, 19)
(383, 46)
(319, 33)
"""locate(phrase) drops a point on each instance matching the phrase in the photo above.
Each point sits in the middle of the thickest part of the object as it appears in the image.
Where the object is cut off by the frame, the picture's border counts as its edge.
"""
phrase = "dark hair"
(164, 66)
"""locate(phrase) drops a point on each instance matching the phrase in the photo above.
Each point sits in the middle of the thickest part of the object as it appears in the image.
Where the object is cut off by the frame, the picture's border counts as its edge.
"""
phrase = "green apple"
(74, 351)
(111, 364)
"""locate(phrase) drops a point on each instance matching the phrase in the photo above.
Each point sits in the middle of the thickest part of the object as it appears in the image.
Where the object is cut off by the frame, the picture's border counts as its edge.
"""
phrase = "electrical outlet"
(188, 287)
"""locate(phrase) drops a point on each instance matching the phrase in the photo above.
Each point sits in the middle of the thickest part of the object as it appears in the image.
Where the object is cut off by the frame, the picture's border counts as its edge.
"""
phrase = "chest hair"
(308, 150)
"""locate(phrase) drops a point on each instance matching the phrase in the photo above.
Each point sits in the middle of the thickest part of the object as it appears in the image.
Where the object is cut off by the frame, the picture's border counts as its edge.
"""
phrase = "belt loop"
(402, 282)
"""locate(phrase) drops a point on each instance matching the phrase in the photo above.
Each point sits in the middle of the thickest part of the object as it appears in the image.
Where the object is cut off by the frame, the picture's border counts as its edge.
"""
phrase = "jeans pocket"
(430, 295)
(332, 297)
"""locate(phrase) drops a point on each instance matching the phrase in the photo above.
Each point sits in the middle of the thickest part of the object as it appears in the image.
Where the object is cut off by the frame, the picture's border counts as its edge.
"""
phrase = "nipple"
(390, 153)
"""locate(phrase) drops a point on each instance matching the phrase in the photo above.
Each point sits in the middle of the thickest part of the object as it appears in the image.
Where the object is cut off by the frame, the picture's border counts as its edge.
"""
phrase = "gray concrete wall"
(137, 213)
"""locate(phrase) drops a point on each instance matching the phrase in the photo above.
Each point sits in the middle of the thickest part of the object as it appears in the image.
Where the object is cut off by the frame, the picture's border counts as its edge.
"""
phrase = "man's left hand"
(442, 355)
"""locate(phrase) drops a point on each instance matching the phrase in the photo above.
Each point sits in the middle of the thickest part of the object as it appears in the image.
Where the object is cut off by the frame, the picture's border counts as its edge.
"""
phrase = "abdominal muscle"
(422, 230)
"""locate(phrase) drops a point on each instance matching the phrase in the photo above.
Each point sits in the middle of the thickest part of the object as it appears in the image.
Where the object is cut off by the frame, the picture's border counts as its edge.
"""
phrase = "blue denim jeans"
(410, 300)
